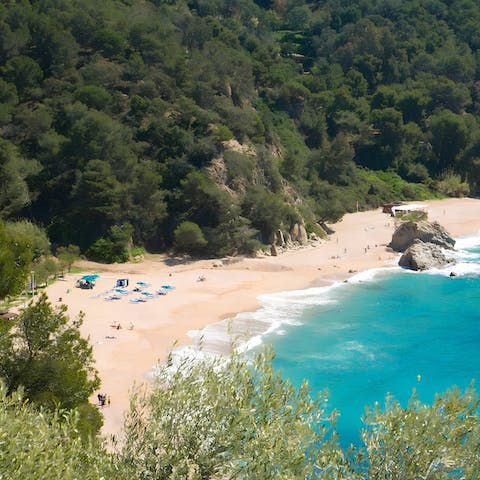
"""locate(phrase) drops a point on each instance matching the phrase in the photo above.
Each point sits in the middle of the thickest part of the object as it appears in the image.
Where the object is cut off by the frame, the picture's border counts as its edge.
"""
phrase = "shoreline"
(358, 244)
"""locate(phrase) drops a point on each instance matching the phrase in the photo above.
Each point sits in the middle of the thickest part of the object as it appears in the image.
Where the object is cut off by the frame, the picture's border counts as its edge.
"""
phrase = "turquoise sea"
(377, 333)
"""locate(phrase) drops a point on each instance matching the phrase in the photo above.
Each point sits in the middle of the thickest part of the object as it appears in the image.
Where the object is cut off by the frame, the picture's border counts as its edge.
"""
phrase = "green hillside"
(207, 125)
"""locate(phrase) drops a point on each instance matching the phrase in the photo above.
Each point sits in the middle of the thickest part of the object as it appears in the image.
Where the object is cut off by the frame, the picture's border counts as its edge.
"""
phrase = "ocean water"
(376, 334)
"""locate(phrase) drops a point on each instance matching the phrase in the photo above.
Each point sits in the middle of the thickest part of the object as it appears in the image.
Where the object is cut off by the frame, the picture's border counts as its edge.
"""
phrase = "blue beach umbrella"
(90, 278)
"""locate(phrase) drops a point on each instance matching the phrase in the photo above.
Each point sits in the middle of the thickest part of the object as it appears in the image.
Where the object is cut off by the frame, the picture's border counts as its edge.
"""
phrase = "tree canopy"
(44, 353)
(110, 113)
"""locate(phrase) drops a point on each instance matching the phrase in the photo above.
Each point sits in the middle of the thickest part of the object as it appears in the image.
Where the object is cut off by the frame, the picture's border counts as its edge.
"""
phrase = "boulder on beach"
(424, 256)
(428, 232)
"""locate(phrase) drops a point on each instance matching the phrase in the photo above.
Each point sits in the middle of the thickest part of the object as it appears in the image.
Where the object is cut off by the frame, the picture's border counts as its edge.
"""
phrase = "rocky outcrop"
(424, 256)
(302, 235)
(298, 234)
(294, 232)
(428, 232)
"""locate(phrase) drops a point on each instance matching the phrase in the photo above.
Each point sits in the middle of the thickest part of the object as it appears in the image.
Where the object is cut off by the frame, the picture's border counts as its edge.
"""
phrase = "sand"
(359, 243)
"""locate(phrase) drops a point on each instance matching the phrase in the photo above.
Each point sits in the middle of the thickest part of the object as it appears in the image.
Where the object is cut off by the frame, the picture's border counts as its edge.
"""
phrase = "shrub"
(189, 238)
(451, 185)
(107, 251)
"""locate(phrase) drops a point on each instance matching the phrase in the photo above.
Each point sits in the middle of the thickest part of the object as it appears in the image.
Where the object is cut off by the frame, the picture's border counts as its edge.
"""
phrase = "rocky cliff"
(428, 232)
(424, 256)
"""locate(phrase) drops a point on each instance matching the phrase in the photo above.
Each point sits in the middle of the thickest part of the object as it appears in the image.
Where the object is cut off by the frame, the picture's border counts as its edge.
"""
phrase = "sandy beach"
(125, 356)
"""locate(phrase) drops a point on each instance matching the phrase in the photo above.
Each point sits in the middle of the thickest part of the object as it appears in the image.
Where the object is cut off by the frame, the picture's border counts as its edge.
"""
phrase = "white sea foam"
(369, 275)
(246, 330)
(466, 263)
(354, 346)
(471, 241)
(461, 269)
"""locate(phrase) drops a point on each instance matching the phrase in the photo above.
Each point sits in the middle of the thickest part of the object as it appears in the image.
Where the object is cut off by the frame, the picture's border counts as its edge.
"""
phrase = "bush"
(46, 269)
(235, 419)
(451, 185)
(137, 251)
(67, 256)
(30, 233)
(189, 238)
(415, 216)
(106, 251)
(93, 96)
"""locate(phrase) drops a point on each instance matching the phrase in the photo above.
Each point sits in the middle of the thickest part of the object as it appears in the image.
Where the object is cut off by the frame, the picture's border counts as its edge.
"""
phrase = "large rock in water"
(427, 232)
(423, 256)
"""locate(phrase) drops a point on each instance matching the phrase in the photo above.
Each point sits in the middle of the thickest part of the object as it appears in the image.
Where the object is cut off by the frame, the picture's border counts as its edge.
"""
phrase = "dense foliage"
(43, 352)
(15, 259)
(122, 120)
(41, 445)
(208, 420)
(242, 421)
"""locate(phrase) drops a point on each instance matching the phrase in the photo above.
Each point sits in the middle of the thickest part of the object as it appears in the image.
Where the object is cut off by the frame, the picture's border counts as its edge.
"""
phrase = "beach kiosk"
(407, 208)
(122, 282)
(387, 207)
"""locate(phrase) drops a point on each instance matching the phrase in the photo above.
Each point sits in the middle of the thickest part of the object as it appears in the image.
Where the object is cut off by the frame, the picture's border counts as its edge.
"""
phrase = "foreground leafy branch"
(41, 445)
(439, 441)
(217, 419)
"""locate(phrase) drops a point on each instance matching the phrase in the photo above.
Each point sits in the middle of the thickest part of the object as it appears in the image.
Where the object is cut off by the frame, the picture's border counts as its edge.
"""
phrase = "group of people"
(103, 399)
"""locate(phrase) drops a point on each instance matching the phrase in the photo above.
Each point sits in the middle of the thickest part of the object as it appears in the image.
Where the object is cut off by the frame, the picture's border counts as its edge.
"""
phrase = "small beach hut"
(387, 207)
(122, 282)
(408, 208)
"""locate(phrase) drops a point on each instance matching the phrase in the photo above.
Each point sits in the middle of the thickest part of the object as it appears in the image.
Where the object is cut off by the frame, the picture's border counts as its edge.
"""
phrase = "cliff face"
(424, 256)
(428, 232)
(423, 244)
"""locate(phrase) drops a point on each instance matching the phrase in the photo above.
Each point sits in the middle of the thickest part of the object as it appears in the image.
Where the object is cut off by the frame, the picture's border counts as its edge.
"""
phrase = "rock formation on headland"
(297, 236)
(407, 232)
(422, 243)
(423, 256)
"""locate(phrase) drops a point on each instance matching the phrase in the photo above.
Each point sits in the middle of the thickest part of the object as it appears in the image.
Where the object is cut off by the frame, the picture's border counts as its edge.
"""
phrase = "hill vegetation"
(206, 125)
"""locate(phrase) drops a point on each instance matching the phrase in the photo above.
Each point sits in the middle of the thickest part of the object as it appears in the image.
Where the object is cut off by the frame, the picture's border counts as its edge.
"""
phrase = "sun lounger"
(112, 297)
(138, 300)
(122, 291)
(149, 295)
(168, 287)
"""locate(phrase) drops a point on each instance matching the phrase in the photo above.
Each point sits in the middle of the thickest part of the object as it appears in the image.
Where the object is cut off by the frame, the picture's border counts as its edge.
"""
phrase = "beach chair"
(112, 297)
(149, 295)
(138, 300)
(121, 291)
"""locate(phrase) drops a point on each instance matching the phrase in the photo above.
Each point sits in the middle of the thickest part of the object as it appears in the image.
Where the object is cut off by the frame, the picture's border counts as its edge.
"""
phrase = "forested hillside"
(208, 124)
